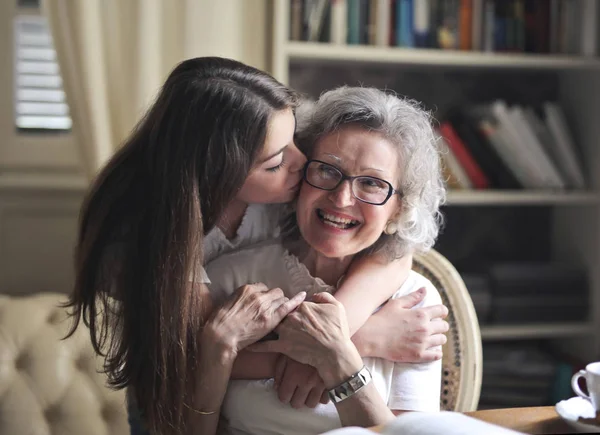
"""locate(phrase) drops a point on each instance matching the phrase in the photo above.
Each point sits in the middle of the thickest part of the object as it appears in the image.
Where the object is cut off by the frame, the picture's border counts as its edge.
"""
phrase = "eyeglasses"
(371, 190)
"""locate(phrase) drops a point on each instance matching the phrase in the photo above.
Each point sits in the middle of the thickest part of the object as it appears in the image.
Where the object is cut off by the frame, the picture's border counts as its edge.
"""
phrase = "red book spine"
(465, 158)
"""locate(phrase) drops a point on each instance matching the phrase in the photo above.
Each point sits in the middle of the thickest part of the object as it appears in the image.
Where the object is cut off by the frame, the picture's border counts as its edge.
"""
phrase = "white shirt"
(252, 407)
(260, 222)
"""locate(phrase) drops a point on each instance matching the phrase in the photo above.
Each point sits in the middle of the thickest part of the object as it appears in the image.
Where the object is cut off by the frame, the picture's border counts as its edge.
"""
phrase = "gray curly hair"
(406, 125)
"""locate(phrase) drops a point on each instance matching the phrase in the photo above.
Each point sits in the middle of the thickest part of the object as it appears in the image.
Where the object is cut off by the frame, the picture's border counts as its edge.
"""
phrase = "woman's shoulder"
(267, 217)
(262, 251)
(414, 282)
(260, 222)
(261, 262)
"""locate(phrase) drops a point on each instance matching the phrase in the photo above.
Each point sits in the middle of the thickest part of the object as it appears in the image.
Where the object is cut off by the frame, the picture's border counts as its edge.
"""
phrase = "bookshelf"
(535, 331)
(507, 197)
(575, 214)
(319, 51)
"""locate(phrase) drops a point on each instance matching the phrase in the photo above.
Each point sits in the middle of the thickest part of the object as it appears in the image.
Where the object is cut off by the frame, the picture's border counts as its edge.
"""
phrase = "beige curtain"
(115, 54)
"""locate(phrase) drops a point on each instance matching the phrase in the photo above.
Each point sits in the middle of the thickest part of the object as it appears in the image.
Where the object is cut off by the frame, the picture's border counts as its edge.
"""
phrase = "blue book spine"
(353, 21)
(406, 27)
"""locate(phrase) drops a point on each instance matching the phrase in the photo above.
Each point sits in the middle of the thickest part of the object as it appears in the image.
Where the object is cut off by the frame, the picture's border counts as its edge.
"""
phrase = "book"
(339, 22)
(430, 423)
(464, 156)
(454, 174)
(444, 422)
(564, 145)
(484, 153)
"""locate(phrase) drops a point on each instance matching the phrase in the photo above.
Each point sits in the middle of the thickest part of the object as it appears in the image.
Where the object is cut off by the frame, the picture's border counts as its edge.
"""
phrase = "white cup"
(591, 374)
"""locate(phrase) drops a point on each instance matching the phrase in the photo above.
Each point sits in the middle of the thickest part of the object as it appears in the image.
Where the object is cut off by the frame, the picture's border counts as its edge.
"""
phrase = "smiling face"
(334, 223)
(276, 175)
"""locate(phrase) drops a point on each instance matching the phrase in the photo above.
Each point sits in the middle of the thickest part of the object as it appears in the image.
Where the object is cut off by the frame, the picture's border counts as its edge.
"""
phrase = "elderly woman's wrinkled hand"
(316, 333)
(251, 313)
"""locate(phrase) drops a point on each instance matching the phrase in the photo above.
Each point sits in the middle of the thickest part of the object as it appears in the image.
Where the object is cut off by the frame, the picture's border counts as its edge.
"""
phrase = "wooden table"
(541, 420)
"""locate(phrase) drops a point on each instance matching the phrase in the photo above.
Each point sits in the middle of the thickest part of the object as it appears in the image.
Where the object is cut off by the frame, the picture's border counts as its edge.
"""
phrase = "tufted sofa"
(48, 385)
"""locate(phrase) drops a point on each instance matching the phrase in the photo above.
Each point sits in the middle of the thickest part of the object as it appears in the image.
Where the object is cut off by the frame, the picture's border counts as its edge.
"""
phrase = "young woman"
(196, 179)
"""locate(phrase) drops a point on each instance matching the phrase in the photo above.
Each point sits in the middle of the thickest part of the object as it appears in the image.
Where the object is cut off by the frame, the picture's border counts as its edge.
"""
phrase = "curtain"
(115, 54)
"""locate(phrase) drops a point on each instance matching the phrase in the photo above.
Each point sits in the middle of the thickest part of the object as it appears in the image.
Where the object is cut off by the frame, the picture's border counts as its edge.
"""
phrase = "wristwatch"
(350, 386)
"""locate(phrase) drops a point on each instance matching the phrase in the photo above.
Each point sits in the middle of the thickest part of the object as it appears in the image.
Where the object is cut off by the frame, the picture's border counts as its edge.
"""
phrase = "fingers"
(433, 354)
(287, 390)
(289, 306)
(315, 396)
(427, 356)
(439, 326)
(300, 397)
(324, 298)
(280, 365)
(324, 398)
(437, 340)
(411, 299)
(259, 286)
(436, 311)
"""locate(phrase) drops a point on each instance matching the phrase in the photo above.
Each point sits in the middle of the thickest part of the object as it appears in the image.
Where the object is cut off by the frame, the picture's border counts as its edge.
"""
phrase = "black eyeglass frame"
(345, 177)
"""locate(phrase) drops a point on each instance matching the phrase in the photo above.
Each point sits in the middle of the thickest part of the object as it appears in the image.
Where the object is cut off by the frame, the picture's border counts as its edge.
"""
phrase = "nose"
(342, 196)
(297, 159)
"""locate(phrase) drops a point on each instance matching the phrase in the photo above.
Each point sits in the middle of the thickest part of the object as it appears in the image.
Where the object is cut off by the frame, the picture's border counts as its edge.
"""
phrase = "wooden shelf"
(396, 55)
(553, 330)
(518, 197)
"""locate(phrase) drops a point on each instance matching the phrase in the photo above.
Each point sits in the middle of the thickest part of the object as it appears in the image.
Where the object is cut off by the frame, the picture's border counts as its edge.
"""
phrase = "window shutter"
(39, 97)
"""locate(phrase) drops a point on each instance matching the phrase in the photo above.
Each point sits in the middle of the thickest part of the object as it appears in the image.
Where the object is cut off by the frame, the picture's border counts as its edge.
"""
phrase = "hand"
(251, 313)
(401, 333)
(299, 384)
(317, 334)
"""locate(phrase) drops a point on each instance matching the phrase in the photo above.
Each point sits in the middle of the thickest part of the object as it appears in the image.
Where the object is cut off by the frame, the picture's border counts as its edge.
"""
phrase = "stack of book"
(478, 285)
(510, 147)
(517, 375)
(529, 293)
(535, 26)
(538, 293)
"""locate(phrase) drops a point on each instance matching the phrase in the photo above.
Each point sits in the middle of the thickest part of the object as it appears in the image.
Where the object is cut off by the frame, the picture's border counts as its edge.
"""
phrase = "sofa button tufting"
(54, 318)
(22, 362)
(81, 363)
(51, 414)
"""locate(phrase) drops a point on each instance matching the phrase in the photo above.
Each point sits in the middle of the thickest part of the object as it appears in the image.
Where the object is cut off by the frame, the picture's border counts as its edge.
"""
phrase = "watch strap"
(351, 386)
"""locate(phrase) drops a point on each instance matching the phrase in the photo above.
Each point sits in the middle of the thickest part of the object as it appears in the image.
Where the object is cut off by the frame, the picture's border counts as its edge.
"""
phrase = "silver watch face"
(356, 383)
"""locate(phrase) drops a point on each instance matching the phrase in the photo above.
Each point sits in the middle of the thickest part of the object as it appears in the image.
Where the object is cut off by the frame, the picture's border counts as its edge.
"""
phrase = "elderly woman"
(372, 183)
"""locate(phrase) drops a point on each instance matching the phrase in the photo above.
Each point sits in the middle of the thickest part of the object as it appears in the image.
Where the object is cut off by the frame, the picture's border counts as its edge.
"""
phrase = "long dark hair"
(143, 221)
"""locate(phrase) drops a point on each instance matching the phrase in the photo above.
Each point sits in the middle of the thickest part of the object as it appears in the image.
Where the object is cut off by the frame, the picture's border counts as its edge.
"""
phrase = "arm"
(249, 365)
(317, 334)
(398, 331)
(364, 408)
(249, 315)
(370, 282)
(403, 332)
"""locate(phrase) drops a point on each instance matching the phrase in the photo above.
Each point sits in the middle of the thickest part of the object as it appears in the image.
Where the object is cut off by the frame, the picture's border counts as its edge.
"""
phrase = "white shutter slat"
(36, 54)
(42, 95)
(26, 108)
(44, 122)
(39, 81)
(39, 97)
(34, 39)
(27, 67)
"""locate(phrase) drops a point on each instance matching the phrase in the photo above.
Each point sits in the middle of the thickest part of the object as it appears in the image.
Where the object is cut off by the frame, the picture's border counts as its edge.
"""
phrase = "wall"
(41, 186)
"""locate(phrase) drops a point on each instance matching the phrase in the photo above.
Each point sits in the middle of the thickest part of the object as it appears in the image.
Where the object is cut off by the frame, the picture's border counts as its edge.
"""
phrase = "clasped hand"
(405, 334)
